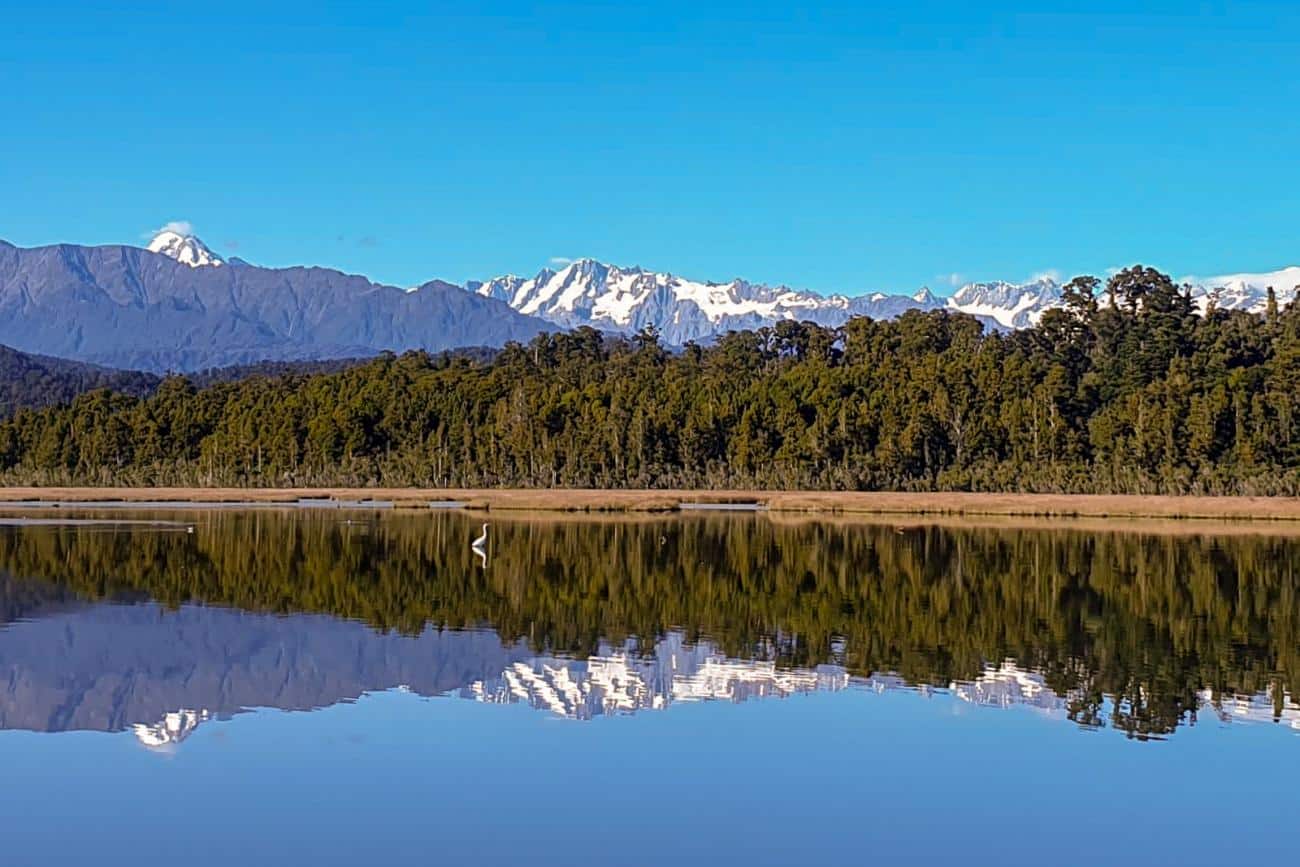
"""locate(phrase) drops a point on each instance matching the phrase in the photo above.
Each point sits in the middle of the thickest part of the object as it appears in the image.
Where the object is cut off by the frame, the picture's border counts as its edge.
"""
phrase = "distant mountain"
(186, 249)
(626, 300)
(178, 309)
(1245, 291)
(32, 381)
(1008, 305)
(177, 305)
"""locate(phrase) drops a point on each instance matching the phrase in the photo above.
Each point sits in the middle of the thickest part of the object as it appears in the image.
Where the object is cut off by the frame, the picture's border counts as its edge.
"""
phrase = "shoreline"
(588, 500)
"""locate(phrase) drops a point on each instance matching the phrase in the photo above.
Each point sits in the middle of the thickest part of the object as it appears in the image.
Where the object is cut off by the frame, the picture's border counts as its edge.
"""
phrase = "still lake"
(325, 687)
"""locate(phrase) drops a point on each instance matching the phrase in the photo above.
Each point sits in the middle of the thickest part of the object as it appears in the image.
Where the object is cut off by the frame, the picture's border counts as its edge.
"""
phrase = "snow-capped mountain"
(186, 249)
(626, 300)
(179, 306)
(1247, 292)
(1010, 305)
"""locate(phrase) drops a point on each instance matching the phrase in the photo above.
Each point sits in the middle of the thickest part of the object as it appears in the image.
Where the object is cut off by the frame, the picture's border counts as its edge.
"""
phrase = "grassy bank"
(864, 503)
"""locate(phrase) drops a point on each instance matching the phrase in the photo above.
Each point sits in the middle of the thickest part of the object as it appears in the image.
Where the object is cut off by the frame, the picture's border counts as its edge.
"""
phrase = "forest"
(33, 381)
(29, 381)
(1127, 388)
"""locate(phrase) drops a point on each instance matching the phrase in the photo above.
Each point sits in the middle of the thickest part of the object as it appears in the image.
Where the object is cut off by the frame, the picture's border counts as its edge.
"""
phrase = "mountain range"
(624, 300)
(177, 305)
(129, 307)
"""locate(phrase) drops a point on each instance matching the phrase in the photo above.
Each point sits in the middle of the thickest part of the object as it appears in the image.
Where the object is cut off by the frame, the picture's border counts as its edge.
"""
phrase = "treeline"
(1125, 389)
(1148, 622)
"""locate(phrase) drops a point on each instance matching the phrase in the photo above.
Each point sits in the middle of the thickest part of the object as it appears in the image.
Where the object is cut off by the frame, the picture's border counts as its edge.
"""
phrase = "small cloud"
(1046, 274)
(952, 279)
(232, 245)
(180, 227)
(561, 261)
(367, 241)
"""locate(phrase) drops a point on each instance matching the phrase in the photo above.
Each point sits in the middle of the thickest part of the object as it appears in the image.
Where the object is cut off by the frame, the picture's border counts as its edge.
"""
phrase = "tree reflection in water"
(1133, 629)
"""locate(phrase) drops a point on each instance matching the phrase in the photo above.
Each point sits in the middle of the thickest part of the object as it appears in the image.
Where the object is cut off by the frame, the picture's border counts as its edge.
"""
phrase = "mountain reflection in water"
(160, 633)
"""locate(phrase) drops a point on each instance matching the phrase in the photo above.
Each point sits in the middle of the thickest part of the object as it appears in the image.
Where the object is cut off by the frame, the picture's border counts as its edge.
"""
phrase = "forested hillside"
(1125, 389)
(36, 380)
(33, 381)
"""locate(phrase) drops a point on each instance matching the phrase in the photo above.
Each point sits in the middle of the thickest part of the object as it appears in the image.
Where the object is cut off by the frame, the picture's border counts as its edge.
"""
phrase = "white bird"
(481, 541)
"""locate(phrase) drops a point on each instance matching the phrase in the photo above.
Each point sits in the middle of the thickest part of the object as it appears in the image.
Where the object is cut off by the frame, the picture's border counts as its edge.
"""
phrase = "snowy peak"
(1010, 305)
(186, 249)
(624, 300)
(619, 299)
(1247, 292)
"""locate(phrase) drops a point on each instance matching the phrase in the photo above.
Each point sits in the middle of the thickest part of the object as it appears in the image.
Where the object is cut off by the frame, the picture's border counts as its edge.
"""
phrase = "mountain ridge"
(130, 307)
(626, 299)
(177, 305)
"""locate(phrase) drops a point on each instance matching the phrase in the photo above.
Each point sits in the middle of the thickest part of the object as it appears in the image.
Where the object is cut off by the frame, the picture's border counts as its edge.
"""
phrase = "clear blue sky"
(851, 147)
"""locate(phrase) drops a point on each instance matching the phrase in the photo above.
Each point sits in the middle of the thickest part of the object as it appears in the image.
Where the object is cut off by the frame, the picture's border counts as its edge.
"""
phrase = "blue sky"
(848, 147)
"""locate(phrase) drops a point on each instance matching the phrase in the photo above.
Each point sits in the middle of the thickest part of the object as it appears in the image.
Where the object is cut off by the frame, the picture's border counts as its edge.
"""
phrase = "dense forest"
(33, 381)
(1147, 620)
(1124, 389)
(30, 381)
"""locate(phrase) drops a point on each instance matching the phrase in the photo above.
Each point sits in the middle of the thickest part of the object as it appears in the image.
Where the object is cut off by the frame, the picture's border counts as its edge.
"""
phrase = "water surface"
(280, 686)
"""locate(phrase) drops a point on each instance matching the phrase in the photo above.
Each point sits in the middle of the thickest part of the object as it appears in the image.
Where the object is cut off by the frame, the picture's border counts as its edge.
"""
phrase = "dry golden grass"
(843, 503)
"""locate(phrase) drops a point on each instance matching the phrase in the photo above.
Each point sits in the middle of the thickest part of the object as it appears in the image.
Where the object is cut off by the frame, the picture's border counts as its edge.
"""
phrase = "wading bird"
(479, 547)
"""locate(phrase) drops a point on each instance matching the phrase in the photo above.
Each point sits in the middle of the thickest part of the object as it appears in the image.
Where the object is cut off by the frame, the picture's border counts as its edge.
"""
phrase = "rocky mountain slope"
(136, 308)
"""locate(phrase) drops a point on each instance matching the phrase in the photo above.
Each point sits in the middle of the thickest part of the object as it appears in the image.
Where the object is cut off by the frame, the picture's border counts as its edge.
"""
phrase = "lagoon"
(286, 686)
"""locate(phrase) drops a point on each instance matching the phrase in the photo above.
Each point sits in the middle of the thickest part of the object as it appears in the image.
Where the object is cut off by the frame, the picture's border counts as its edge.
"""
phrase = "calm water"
(347, 688)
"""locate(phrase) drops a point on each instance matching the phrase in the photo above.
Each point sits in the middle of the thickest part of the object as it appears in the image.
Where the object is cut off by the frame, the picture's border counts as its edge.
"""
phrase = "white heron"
(479, 547)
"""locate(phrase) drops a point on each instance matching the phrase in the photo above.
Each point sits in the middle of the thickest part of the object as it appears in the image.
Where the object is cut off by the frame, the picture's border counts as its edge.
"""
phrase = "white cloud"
(953, 279)
(561, 261)
(180, 227)
(1046, 274)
